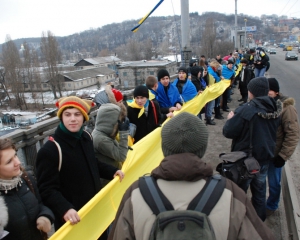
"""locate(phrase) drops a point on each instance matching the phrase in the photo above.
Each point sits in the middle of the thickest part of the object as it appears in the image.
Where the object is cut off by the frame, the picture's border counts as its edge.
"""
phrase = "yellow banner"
(100, 211)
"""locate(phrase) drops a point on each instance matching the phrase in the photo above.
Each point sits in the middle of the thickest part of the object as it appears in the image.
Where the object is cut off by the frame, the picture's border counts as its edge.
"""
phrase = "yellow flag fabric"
(100, 211)
(133, 104)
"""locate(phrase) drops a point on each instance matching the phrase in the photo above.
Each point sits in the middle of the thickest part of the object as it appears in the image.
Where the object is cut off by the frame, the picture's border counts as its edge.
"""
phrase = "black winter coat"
(264, 112)
(144, 124)
(79, 178)
(248, 75)
(24, 208)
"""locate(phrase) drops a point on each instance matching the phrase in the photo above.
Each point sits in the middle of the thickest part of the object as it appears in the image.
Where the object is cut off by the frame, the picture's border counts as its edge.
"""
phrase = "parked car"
(272, 51)
(291, 55)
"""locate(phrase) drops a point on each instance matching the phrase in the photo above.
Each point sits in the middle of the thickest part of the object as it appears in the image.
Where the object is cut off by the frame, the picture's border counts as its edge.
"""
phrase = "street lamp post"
(245, 32)
(235, 26)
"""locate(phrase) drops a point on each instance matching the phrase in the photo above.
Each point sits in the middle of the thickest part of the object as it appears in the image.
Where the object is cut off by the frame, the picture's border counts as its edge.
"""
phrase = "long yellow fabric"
(100, 211)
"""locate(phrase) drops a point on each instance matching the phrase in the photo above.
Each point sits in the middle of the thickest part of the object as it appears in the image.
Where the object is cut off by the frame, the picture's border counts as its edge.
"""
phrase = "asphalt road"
(287, 73)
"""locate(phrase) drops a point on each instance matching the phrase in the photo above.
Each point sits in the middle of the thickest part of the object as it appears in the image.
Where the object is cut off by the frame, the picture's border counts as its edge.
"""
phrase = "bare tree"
(147, 49)
(52, 56)
(3, 83)
(13, 69)
(37, 75)
(134, 50)
(209, 38)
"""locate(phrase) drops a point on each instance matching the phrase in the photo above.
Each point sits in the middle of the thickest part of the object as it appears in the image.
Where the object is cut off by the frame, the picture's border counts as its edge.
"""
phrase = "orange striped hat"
(83, 105)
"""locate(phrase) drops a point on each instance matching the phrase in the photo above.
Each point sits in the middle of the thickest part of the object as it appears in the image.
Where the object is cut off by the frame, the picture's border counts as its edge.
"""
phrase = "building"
(132, 74)
(110, 62)
(99, 76)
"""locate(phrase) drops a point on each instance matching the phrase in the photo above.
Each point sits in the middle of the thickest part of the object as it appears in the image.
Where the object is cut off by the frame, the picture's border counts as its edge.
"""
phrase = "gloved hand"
(43, 224)
(278, 161)
(124, 125)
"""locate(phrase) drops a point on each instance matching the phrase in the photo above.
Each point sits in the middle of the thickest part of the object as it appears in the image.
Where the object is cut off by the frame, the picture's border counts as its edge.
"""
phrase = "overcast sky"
(29, 18)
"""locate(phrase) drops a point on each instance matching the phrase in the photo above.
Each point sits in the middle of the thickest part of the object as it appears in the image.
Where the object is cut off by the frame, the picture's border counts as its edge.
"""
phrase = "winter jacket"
(188, 90)
(3, 215)
(288, 130)
(261, 57)
(24, 208)
(181, 177)
(264, 113)
(79, 177)
(144, 124)
(107, 149)
(243, 83)
(197, 83)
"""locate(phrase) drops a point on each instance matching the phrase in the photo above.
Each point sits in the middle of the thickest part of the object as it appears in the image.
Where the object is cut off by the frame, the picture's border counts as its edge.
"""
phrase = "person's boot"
(209, 121)
(218, 114)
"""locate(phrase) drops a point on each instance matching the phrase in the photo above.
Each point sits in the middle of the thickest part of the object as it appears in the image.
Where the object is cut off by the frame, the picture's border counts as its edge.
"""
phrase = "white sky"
(29, 18)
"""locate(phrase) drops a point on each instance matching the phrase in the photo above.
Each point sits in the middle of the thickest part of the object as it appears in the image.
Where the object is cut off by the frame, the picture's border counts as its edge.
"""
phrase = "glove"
(124, 125)
(278, 161)
(43, 224)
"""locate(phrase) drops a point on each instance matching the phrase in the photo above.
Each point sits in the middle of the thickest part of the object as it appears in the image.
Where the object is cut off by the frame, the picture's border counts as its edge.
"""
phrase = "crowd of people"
(74, 165)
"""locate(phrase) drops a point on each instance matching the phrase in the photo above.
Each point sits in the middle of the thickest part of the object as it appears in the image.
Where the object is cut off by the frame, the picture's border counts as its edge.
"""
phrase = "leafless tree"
(147, 49)
(13, 69)
(134, 50)
(37, 75)
(209, 38)
(3, 83)
(52, 56)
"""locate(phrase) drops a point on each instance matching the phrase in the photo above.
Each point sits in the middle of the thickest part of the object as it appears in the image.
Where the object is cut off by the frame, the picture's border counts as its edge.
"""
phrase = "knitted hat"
(184, 133)
(230, 61)
(83, 105)
(244, 60)
(118, 95)
(252, 50)
(273, 84)
(183, 69)
(162, 73)
(195, 70)
(141, 91)
(259, 86)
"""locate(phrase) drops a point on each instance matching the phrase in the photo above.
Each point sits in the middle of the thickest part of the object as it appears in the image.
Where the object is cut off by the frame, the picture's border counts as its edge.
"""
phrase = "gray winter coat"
(107, 149)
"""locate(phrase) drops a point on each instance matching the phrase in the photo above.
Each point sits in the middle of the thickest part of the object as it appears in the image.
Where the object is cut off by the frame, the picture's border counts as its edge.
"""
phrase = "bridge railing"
(28, 141)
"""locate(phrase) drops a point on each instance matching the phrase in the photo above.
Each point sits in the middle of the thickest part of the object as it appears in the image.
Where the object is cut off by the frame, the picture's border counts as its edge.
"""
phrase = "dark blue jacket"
(264, 112)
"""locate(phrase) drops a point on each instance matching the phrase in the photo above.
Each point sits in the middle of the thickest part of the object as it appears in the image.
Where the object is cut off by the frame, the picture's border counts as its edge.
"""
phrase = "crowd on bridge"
(74, 165)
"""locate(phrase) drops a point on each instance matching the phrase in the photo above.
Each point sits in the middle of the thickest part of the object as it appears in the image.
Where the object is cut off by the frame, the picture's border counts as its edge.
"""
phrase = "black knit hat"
(141, 91)
(195, 70)
(259, 86)
(184, 133)
(252, 50)
(273, 84)
(244, 60)
(162, 73)
(230, 61)
(183, 69)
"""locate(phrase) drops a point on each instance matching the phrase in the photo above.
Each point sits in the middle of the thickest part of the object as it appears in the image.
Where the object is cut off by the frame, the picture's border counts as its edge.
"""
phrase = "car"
(272, 51)
(291, 55)
(289, 48)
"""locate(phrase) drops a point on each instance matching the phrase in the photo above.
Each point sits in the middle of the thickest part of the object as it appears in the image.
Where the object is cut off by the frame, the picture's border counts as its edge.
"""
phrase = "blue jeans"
(259, 72)
(258, 190)
(274, 179)
(209, 108)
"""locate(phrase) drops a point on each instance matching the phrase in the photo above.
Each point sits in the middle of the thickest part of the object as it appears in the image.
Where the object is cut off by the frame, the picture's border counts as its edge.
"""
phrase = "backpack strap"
(89, 134)
(210, 194)
(153, 196)
(59, 152)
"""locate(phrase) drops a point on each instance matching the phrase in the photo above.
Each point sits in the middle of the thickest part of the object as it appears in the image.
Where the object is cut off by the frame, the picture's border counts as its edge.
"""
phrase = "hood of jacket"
(286, 101)
(267, 107)
(107, 118)
(182, 167)
(3, 215)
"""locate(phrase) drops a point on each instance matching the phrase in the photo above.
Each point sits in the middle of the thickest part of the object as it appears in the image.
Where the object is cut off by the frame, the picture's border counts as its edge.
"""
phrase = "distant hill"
(158, 29)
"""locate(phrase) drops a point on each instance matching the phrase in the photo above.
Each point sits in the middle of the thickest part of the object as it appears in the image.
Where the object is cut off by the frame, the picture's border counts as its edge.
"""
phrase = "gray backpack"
(189, 224)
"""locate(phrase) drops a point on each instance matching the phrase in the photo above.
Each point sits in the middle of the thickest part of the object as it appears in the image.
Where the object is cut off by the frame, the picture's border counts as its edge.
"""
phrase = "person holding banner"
(68, 173)
(143, 113)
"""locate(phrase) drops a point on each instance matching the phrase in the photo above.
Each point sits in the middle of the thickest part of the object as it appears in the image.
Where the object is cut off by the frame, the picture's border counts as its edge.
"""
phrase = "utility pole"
(235, 26)
(245, 43)
(186, 51)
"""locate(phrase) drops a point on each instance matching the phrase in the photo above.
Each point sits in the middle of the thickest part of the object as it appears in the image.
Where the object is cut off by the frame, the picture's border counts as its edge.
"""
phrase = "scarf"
(6, 185)
(65, 130)
(133, 104)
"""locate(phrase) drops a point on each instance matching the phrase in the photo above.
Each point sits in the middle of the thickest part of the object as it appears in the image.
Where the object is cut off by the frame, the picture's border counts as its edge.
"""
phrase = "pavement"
(217, 144)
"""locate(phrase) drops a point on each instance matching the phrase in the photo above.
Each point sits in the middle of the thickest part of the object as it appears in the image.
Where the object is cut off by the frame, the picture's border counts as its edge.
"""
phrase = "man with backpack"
(261, 62)
(182, 199)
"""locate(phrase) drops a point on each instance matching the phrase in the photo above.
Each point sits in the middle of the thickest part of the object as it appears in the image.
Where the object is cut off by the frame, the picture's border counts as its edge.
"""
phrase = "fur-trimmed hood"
(3, 215)
(286, 101)
(268, 107)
